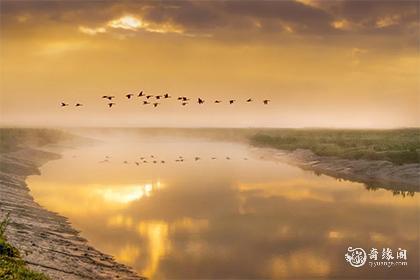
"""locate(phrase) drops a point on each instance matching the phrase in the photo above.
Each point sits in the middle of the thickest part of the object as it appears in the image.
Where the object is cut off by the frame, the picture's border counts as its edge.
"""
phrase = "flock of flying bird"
(154, 100)
(155, 160)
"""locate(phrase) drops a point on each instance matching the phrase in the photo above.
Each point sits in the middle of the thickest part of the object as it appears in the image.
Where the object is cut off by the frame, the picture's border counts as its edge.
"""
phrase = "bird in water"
(213, 158)
(266, 101)
(154, 161)
(111, 104)
(109, 97)
(145, 102)
(184, 103)
(129, 95)
(231, 101)
(181, 97)
(197, 158)
(144, 161)
(166, 95)
(152, 156)
(228, 158)
(185, 98)
(249, 100)
(217, 101)
(140, 94)
(64, 104)
(137, 163)
(149, 96)
(125, 162)
(162, 161)
(78, 104)
(103, 161)
(245, 158)
(158, 96)
(200, 101)
(155, 104)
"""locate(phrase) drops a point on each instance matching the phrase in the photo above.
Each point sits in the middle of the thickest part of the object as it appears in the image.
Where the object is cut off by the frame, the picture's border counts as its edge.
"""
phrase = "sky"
(321, 63)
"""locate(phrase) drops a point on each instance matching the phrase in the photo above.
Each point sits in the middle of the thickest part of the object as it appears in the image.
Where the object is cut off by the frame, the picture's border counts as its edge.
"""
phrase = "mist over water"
(222, 212)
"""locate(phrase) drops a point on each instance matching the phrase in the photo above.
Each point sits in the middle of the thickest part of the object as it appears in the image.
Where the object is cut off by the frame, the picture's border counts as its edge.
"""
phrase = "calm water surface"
(218, 218)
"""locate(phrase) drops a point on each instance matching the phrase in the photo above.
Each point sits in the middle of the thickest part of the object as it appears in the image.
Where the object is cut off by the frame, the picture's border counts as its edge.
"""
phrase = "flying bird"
(266, 101)
(140, 94)
(200, 101)
(111, 104)
(231, 101)
(166, 95)
(129, 95)
(78, 104)
(64, 104)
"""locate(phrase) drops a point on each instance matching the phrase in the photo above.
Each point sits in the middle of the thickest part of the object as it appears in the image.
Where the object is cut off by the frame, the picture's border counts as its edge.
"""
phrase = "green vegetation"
(399, 146)
(12, 139)
(11, 264)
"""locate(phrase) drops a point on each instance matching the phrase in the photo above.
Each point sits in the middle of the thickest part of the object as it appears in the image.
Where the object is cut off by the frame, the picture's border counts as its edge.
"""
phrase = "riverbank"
(400, 179)
(46, 241)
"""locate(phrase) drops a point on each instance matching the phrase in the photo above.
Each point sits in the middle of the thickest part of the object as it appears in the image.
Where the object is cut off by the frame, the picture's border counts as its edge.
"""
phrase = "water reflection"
(223, 219)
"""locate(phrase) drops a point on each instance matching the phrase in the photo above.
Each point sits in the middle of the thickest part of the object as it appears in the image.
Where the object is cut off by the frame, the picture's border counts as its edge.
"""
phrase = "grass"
(12, 266)
(399, 146)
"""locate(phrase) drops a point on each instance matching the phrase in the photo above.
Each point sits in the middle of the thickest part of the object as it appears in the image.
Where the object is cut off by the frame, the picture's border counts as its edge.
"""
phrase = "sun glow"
(127, 194)
(127, 23)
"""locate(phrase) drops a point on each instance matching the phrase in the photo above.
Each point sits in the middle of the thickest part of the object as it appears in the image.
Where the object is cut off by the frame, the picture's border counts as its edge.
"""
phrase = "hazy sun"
(126, 22)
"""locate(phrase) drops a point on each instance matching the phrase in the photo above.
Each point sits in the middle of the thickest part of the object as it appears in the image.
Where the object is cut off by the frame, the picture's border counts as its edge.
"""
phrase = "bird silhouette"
(162, 161)
(78, 104)
(137, 163)
(185, 98)
(197, 158)
(200, 101)
(228, 158)
(158, 96)
(152, 156)
(125, 162)
(129, 95)
(155, 104)
(111, 104)
(154, 161)
(64, 104)
(148, 96)
(217, 101)
(231, 101)
(145, 102)
(266, 101)
(166, 95)
(140, 94)
(184, 103)
(213, 158)
(109, 97)
(249, 100)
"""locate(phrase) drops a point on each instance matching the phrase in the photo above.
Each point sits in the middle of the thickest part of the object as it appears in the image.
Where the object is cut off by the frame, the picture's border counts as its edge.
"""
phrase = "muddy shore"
(46, 240)
(400, 179)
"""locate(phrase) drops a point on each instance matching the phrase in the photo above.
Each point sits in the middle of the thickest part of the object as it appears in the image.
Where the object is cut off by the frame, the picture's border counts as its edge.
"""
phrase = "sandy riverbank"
(401, 179)
(46, 240)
